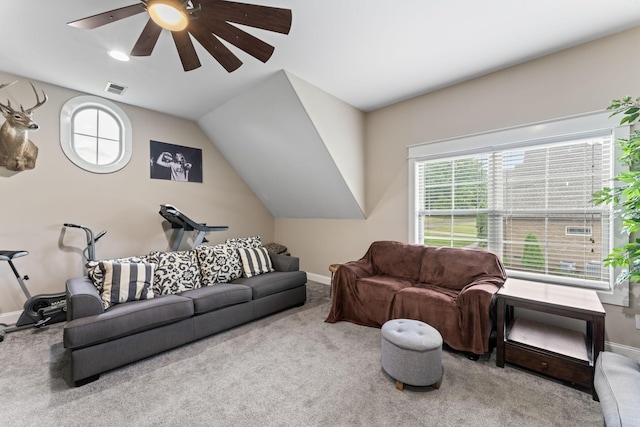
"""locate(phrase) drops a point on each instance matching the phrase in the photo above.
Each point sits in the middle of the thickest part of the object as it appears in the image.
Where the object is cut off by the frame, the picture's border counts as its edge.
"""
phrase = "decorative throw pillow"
(255, 261)
(126, 281)
(276, 248)
(218, 264)
(175, 272)
(245, 242)
(95, 273)
(242, 242)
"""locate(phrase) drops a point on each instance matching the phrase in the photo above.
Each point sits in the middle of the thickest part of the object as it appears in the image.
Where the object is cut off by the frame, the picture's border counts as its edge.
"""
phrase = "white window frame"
(67, 115)
(580, 126)
(586, 231)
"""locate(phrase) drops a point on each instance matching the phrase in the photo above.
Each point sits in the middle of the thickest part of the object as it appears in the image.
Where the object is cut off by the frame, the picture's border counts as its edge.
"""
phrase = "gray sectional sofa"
(102, 338)
(617, 382)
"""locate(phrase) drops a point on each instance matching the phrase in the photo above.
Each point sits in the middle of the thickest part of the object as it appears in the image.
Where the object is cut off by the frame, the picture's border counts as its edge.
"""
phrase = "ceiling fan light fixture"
(169, 14)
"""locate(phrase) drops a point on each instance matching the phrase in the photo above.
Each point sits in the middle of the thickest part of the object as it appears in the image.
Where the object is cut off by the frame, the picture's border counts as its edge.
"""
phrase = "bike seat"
(9, 255)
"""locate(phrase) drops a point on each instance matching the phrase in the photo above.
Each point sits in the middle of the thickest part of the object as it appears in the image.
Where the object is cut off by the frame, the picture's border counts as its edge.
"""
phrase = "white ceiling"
(368, 53)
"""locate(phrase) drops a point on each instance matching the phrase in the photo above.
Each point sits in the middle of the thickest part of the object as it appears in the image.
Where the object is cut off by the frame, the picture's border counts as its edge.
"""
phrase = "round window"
(95, 134)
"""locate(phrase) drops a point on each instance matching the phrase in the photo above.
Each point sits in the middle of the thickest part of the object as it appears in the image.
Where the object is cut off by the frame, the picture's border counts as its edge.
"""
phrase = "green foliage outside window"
(482, 228)
(532, 256)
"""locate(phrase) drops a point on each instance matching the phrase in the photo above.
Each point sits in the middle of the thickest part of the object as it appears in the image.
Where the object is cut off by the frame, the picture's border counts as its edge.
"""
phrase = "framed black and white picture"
(175, 162)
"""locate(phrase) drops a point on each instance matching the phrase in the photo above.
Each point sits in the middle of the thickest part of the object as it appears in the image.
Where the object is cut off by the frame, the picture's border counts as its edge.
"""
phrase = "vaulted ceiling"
(293, 127)
(300, 149)
(367, 53)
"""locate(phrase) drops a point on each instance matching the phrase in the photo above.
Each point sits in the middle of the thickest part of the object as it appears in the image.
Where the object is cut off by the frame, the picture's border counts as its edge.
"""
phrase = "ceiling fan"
(206, 21)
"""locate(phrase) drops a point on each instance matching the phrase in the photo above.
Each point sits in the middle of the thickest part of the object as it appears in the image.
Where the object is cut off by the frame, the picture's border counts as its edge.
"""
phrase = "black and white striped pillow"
(95, 274)
(126, 281)
(255, 261)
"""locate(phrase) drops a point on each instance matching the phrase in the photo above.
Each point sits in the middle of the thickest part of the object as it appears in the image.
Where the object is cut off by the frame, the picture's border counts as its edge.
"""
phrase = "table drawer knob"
(544, 365)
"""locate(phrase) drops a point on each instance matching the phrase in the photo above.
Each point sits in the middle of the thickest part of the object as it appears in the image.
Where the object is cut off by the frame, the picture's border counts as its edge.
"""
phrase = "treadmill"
(181, 223)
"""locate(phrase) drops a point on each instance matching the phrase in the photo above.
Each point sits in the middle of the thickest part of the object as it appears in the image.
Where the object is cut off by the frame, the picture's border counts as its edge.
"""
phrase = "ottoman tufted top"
(411, 334)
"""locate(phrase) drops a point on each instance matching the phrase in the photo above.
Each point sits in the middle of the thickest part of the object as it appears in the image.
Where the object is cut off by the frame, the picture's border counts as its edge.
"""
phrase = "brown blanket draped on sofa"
(449, 288)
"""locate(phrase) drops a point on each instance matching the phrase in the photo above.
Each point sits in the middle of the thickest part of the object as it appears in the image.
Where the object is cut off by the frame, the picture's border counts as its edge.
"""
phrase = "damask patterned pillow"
(96, 275)
(218, 264)
(175, 272)
(245, 242)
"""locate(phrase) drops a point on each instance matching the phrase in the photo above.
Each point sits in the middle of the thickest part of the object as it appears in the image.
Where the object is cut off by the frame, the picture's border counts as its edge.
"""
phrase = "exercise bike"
(44, 309)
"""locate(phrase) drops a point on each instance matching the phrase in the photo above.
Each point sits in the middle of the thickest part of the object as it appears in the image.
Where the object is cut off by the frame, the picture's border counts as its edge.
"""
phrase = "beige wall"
(36, 203)
(578, 80)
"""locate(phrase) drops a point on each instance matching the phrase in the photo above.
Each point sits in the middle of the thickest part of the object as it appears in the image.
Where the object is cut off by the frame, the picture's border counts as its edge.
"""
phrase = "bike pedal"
(41, 323)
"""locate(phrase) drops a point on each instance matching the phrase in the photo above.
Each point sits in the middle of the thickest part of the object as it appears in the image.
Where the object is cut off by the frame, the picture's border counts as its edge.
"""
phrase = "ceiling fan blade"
(147, 40)
(187, 52)
(108, 17)
(264, 17)
(219, 51)
(242, 40)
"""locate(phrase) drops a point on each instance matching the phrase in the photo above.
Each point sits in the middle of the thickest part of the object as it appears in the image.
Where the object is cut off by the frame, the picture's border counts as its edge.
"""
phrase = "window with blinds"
(531, 204)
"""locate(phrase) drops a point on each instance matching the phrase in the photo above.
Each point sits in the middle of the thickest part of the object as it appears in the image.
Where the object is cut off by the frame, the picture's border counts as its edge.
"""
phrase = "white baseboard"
(625, 350)
(325, 280)
(10, 318)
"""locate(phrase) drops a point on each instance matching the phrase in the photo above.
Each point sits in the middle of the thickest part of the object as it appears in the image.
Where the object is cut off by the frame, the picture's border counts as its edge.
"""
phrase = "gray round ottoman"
(412, 353)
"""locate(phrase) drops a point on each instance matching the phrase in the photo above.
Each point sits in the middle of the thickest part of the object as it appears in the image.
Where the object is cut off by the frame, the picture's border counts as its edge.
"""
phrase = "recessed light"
(120, 56)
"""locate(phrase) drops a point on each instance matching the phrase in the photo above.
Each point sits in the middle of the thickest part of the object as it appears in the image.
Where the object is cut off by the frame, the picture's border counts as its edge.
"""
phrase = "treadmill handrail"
(179, 220)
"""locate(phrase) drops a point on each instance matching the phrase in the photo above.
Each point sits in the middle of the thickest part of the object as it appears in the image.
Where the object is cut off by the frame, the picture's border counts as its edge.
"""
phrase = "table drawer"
(564, 369)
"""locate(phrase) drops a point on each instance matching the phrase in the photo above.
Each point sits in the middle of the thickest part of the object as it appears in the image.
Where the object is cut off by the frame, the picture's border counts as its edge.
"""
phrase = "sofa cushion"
(396, 259)
(175, 272)
(126, 319)
(255, 261)
(272, 283)
(126, 281)
(433, 305)
(455, 268)
(218, 264)
(95, 274)
(222, 295)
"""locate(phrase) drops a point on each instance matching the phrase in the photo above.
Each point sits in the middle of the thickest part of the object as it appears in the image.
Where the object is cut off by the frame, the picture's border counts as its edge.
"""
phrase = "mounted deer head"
(17, 152)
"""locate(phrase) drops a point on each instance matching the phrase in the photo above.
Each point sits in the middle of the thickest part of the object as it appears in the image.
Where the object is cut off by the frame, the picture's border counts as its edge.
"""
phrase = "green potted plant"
(625, 194)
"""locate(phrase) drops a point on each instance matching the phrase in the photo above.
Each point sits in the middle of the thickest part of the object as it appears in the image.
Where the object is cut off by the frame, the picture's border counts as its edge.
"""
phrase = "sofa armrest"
(476, 308)
(478, 293)
(344, 288)
(355, 269)
(617, 382)
(284, 262)
(82, 298)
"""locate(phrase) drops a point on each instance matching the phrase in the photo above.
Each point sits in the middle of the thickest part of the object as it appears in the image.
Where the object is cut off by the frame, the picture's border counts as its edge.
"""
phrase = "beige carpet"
(290, 369)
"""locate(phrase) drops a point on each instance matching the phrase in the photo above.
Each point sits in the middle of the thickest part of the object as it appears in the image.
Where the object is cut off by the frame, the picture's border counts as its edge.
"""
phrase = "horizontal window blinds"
(529, 203)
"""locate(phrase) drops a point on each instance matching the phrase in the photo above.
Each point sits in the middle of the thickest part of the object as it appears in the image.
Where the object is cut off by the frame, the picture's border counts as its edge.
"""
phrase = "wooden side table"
(561, 353)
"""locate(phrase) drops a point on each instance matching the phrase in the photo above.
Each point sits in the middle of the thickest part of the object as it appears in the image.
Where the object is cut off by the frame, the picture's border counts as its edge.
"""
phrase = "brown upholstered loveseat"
(451, 289)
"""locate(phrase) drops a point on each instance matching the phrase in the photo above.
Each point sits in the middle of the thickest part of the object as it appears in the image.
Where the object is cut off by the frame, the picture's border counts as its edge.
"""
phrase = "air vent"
(115, 88)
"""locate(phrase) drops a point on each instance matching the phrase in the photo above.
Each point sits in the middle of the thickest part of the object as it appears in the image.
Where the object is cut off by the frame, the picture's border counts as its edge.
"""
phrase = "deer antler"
(38, 102)
(8, 106)
(7, 84)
